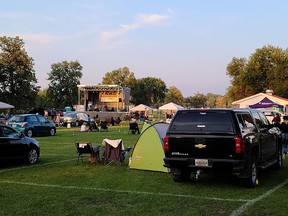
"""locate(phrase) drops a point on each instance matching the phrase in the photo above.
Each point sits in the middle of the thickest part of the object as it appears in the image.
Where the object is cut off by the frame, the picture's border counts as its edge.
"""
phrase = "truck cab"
(227, 140)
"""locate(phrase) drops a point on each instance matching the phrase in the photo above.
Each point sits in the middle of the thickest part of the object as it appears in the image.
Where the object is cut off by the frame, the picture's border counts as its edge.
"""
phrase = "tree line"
(265, 69)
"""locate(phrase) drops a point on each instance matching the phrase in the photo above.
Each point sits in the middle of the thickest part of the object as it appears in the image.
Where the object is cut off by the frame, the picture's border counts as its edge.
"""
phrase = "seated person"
(133, 126)
(112, 121)
(93, 126)
(97, 120)
(117, 121)
(103, 126)
(83, 127)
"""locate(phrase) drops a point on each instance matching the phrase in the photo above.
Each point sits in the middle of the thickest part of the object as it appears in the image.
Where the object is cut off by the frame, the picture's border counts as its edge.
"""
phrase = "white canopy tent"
(6, 106)
(171, 106)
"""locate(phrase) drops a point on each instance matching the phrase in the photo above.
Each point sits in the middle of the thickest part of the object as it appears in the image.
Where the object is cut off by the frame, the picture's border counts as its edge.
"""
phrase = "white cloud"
(50, 18)
(40, 38)
(130, 27)
(109, 35)
(121, 30)
(151, 19)
(34, 42)
(141, 20)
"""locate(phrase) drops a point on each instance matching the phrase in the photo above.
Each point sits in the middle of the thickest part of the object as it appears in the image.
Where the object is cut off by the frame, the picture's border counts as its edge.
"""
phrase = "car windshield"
(17, 119)
(70, 115)
(8, 132)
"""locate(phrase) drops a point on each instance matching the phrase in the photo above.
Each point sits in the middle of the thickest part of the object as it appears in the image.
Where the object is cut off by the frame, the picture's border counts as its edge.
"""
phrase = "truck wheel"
(252, 180)
(279, 163)
(181, 175)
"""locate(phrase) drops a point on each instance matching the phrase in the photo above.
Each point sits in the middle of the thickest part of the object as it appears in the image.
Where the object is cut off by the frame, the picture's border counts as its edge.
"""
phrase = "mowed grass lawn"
(56, 185)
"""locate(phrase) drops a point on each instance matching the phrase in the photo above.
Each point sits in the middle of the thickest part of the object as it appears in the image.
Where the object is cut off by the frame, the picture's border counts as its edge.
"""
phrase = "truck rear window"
(198, 121)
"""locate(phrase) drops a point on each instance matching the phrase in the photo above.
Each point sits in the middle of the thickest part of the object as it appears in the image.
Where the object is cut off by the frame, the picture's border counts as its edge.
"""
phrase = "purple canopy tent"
(265, 103)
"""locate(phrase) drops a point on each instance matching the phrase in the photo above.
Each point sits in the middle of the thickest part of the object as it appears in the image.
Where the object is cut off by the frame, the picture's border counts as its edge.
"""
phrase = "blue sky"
(187, 44)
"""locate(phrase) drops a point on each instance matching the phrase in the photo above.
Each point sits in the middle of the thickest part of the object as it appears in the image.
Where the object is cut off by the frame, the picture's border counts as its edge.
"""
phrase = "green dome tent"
(145, 125)
(148, 150)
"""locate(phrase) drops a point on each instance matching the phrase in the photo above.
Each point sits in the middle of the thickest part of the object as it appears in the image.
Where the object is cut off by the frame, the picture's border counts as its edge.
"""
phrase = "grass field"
(56, 185)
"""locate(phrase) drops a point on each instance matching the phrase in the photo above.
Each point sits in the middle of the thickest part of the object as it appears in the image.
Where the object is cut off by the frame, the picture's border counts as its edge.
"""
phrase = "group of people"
(283, 126)
(96, 122)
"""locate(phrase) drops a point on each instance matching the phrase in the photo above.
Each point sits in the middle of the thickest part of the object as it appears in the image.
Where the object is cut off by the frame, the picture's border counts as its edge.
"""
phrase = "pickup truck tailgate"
(208, 146)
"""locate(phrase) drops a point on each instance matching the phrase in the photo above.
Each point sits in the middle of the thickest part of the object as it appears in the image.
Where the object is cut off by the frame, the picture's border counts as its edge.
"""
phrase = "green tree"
(17, 75)
(265, 69)
(236, 69)
(197, 101)
(122, 77)
(150, 91)
(211, 100)
(174, 95)
(64, 78)
(221, 102)
(42, 99)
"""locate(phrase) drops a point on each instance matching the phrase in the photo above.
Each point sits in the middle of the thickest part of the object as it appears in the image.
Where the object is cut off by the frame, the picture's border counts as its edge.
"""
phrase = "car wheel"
(29, 133)
(52, 132)
(32, 156)
(252, 180)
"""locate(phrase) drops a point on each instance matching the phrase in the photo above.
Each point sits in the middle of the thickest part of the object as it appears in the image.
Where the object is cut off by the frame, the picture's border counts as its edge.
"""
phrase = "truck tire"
(181, 175)
(252, 180)
(279, 163)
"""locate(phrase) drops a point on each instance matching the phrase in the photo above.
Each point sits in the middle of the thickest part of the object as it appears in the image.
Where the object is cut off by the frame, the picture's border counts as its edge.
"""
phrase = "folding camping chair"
(86, 148)
(113, 152)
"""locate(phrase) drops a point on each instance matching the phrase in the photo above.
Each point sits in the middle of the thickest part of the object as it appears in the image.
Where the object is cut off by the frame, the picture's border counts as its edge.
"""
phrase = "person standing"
(112, 121)
(284, 130)
(46, 114)
(276, 120)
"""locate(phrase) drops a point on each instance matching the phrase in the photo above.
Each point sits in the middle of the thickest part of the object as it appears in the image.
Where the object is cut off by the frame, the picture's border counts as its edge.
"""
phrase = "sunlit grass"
(58, 186)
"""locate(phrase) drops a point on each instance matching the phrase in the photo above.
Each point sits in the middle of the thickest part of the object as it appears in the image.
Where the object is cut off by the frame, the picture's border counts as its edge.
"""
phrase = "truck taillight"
(239, 145)
(166, 143)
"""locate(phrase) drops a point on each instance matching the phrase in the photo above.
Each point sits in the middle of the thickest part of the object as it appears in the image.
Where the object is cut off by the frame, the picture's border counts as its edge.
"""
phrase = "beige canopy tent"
(171, 106)
(141, 107)
(6, 106)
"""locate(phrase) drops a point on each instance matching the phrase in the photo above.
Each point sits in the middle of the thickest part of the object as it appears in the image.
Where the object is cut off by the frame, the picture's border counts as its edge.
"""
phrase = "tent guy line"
(123, 191)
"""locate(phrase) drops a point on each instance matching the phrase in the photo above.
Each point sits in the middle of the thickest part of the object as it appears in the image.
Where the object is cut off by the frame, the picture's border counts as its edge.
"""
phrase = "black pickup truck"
(234, 141)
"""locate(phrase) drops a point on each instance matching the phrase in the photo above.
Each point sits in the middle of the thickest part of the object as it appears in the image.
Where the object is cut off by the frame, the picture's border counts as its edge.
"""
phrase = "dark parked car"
(32, 125)
(15, 145)
(3, 119)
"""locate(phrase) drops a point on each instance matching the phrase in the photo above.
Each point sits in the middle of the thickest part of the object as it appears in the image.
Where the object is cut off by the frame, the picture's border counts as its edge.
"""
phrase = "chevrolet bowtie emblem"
(200, 146)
